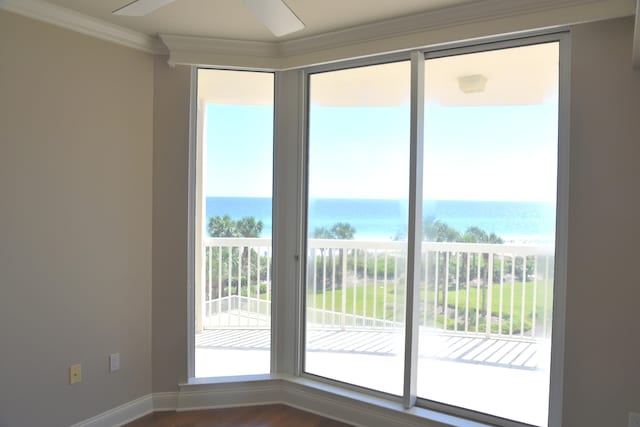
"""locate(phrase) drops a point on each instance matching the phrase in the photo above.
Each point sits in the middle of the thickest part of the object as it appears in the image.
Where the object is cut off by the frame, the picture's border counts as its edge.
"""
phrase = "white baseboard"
(167, 401)
(121, 414)
(222, 395)
(350, 407)
(331, 402)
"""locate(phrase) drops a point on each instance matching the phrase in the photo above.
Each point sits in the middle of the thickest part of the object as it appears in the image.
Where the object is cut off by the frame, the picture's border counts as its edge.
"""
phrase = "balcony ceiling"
(521, 76)
(230, 19)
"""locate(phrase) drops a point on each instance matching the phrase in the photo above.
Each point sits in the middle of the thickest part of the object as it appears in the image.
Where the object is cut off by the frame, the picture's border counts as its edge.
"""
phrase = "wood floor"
(252, 416)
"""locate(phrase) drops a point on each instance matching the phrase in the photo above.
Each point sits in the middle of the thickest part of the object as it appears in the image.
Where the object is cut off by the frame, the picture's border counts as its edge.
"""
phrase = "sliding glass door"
(485, 282)
(490, 173)
(357, 209)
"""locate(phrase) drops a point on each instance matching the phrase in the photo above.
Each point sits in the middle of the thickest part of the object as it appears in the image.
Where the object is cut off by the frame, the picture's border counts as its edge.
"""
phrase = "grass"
(511, 318)
(372, 304)
(369, 303)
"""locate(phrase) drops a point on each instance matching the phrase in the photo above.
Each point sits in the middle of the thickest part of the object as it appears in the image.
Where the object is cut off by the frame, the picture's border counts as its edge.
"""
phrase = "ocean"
(522, 222)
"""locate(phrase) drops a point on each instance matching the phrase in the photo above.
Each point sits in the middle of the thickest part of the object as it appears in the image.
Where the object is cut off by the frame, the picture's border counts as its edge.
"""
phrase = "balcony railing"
(465, 288)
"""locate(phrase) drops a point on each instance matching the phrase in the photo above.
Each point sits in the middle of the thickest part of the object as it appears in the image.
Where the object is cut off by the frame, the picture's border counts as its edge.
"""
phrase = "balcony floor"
(454, 348)
(504, 377)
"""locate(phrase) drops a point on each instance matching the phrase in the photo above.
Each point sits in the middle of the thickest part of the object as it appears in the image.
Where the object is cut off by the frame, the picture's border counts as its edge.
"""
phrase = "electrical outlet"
(114, 362)
(634, 419)
(75, 374)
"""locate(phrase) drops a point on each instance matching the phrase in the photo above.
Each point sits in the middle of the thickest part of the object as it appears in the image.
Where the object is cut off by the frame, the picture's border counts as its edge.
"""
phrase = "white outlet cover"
(114, 362)
(634, 419)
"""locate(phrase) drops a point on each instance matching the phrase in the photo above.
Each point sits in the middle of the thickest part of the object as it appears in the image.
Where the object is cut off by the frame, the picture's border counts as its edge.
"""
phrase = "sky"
(505, 153)
(239, 150)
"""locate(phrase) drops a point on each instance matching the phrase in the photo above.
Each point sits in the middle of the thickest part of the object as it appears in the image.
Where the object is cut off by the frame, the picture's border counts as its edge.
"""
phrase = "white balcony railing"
(465, 288)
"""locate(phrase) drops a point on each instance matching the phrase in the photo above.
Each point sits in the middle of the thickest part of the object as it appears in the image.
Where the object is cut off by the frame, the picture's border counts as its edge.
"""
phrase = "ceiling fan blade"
(275, 15)
(141, 7)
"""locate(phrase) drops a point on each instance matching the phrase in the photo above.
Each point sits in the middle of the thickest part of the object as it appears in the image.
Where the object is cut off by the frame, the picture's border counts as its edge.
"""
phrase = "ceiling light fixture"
(474, 83)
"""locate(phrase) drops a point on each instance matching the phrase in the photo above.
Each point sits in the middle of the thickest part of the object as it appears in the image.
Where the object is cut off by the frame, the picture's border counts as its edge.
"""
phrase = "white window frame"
(197, 155)
(289, 222)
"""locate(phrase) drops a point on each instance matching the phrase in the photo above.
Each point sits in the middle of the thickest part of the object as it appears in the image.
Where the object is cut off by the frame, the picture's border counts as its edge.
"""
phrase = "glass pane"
(233, 289)
(357, 219)
(490, 169)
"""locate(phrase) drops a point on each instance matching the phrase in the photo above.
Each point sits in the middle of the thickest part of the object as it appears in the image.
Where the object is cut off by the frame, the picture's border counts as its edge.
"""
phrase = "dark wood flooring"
(250, 416)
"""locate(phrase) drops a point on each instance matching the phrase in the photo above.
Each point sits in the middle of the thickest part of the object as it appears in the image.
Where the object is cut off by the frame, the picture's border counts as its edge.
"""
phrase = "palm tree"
(478, 235)
(221, 226)
(225, 226)
(435, 230)
(339, 230)
(343, 230)
(249, 227)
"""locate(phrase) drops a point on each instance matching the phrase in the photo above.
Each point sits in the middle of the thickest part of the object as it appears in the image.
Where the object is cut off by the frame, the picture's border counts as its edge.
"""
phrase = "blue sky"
(239, 141)
(471, 153)
(491, 153)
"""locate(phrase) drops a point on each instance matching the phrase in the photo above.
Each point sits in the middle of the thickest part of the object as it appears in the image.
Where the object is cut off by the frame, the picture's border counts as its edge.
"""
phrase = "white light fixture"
(275, 15)
(474, 83)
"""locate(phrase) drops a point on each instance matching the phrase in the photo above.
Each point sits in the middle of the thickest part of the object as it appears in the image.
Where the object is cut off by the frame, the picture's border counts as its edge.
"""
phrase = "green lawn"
(508, 291)
(370, 305)
(364, 305)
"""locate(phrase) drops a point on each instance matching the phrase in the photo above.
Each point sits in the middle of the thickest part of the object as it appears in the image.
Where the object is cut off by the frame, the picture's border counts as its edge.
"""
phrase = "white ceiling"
(230, 19)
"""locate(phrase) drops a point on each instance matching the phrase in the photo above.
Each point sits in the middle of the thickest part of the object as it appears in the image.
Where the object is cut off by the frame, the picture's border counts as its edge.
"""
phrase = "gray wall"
(602, 369)
(170, 172)
(76, 122)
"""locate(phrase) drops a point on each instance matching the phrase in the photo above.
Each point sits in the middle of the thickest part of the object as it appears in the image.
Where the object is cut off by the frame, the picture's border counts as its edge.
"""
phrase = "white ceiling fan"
(274, 14)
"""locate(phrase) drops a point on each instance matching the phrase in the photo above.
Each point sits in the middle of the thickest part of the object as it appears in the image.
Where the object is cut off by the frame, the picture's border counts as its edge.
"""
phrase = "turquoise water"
(386, 219)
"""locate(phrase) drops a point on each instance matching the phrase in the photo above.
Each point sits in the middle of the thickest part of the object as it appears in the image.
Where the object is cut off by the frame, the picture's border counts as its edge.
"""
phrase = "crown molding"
(465, 14)
(75, 21)
(636, 39)
(464, 22)
(236, 53)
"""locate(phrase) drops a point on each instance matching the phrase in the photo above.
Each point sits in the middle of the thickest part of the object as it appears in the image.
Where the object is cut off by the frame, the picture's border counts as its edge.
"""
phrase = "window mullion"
(414, 249)
(194, 134)
(287, 294)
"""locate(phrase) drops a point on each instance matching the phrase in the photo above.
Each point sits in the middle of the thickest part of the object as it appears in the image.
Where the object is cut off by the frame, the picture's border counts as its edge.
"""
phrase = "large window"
(233, 245)
(482, 309)
(415, 233)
